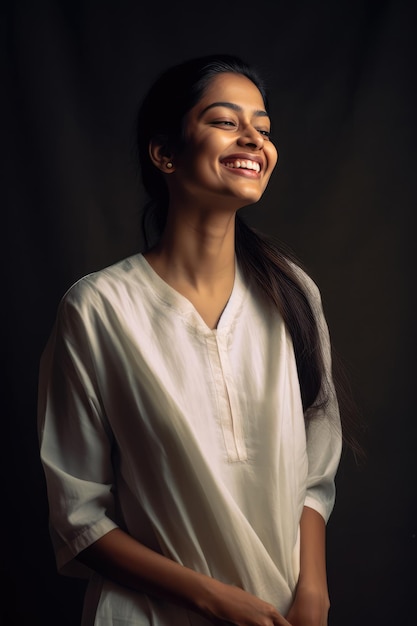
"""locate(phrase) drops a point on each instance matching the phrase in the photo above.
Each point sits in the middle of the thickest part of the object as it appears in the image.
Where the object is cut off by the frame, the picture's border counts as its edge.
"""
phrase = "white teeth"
(244, 164)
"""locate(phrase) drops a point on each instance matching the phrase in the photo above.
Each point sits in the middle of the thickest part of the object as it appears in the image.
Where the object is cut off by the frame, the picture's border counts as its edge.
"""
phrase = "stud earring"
(170, 165)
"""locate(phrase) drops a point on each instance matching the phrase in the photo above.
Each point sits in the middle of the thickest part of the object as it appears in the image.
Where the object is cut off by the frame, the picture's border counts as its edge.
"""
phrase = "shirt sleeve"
(75, 440)
(323, 430)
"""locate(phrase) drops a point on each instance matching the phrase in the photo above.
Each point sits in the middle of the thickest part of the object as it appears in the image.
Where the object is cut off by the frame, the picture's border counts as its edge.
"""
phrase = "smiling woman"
(188, 422)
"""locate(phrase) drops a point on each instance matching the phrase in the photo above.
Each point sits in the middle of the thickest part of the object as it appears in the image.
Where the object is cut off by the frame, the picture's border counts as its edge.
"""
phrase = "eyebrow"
(234, 107)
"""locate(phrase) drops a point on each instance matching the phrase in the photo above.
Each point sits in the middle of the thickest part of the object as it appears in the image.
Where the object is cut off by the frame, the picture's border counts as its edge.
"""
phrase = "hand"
(310, 607)
(232, 605)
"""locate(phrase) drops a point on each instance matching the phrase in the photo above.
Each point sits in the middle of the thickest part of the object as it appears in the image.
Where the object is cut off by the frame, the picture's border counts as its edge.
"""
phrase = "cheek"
(199, 163)
(272, 155)
(206, 157)
(203, 150)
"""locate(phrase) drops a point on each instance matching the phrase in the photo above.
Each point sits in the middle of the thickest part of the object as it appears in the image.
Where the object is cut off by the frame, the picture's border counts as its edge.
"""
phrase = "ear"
(160, 155)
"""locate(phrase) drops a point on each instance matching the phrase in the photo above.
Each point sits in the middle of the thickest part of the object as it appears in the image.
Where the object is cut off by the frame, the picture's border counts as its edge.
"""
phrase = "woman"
(189, 427)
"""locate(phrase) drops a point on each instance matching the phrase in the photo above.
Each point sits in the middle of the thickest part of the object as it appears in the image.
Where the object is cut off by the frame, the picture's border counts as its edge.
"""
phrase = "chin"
(242, 197)
(249, 198)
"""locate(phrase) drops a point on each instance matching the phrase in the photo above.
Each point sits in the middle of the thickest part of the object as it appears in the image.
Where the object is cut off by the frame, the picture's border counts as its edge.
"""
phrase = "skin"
(311, 603)
(196, 256)
(196, 253)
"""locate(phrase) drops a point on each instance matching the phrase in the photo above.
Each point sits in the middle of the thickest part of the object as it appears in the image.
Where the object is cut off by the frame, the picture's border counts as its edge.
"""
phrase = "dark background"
(342, 77)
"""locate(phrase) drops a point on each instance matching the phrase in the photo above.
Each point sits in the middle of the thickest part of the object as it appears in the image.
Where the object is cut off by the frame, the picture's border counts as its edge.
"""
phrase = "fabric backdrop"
(343, 101)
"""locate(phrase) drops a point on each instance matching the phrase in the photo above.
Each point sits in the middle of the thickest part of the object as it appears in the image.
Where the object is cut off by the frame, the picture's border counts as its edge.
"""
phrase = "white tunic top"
(192, 440)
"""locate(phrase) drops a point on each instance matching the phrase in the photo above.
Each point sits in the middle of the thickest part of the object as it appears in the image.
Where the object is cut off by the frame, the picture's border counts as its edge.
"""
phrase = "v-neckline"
(186, 308)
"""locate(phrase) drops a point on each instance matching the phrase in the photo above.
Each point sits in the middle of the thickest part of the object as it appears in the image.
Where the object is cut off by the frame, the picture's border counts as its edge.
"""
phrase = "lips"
(243, 162)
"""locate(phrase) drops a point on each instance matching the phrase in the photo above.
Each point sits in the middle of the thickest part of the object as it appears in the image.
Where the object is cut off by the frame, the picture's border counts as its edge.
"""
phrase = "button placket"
(229, 411)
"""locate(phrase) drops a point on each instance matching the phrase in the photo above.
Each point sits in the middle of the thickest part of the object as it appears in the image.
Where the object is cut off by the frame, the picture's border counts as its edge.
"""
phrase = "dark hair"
(161, 116)
(263, 262)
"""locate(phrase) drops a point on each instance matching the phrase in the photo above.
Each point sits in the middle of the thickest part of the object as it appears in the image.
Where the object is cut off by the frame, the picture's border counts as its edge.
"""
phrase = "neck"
(198, 250)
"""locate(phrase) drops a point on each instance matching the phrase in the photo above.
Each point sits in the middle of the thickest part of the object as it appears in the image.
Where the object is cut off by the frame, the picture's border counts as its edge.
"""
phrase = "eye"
(265, 133)
(225, 123)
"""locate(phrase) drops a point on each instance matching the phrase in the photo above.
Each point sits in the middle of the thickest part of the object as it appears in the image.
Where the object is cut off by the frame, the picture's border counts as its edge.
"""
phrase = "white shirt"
(192, 440)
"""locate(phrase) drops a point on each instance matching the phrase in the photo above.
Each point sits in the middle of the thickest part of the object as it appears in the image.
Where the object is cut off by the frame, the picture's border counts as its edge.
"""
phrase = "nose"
(251, 137)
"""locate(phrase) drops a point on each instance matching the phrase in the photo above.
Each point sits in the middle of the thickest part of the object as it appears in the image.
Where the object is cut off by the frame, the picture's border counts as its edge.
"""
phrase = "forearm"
(127, 562)
(311, 601)
(312, 549)
(131, 564)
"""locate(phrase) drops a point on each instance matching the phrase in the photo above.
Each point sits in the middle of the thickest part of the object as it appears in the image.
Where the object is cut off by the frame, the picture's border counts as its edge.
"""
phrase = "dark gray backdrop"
(342, 78)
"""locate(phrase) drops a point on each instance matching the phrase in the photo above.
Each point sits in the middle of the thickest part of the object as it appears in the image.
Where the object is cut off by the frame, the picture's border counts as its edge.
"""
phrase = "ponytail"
(265, 265)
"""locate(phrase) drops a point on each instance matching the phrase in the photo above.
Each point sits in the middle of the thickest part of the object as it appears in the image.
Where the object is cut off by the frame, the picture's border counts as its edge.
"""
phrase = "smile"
(244, 164)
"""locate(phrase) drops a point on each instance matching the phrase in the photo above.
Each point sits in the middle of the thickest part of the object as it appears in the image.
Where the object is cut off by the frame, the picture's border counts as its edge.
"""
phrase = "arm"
(324, 441)
(121, 558)
(76, 448)
(323, 431)
(311, 603)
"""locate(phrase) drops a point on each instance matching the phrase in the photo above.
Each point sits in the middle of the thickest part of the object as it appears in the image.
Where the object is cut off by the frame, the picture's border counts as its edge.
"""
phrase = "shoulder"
(105, 289)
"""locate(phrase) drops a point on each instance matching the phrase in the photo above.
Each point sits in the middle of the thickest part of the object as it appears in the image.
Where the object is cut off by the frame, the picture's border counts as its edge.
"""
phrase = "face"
(228, 153)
